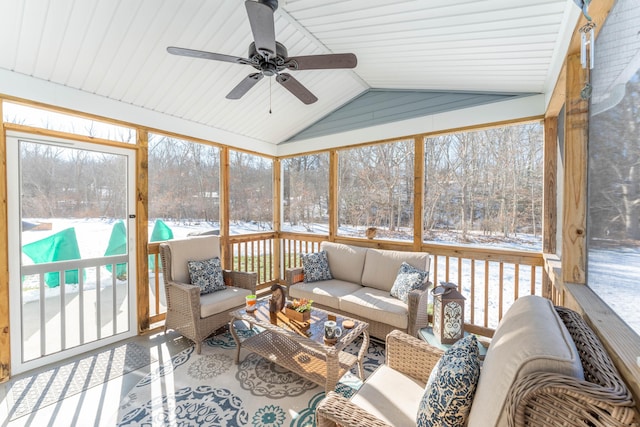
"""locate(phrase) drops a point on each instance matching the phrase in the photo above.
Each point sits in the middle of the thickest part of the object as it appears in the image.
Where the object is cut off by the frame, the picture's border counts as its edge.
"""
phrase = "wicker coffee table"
(299, 349)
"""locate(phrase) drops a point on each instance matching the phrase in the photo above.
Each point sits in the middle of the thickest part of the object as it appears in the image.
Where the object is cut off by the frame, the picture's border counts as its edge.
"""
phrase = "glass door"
(72, 247)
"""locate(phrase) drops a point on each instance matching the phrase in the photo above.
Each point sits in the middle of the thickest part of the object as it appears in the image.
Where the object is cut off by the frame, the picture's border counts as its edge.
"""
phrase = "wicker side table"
(299, 349)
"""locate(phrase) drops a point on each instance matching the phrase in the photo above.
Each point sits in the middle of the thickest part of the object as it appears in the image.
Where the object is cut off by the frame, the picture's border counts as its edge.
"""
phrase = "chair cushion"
(381, 266)
(191, 249)
(408, 279)
(221, 301)
(390, 396)
(375, 304)
(451, 387)
(530, 338)
(316, 267)
(346, 262)
(206, 274)
(326, 292)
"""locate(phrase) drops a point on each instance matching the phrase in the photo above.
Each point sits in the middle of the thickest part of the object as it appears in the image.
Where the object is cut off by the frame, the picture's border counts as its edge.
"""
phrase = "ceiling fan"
(270, 57)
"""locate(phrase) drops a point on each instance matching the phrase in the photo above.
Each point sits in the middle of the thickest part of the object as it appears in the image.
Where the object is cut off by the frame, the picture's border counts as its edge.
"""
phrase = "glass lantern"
(448, 313)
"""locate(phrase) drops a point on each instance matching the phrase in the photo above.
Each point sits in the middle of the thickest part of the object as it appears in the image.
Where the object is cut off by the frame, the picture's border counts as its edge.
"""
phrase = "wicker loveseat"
(544, 367)
(361, 285)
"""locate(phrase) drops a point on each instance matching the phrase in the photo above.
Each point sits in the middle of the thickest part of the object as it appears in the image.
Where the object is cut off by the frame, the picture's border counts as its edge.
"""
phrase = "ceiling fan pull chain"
(269, 96)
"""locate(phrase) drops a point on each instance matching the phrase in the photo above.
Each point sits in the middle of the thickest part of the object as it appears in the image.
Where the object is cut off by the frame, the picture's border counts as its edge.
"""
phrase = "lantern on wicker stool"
(448, 313)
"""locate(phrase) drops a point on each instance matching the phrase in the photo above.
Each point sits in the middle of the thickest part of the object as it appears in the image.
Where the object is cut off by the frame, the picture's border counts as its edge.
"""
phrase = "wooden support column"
(575, 176)
(418, 192)
(142, 229)
(277, 217)
(5, 347)
(333, 195)
(227, 258)
(549, 196)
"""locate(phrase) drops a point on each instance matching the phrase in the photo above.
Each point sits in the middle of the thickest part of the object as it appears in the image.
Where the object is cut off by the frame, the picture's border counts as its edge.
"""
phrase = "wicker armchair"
(195, 316)
(537, 399)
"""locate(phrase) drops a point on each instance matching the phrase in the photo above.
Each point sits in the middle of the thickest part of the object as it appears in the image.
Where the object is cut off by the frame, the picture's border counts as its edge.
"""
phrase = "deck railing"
(490, 279)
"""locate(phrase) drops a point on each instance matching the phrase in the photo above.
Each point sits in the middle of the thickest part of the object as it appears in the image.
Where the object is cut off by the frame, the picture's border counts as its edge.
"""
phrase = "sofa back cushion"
(530, 338)
(381, 266)
(191, 249)
(345, 262)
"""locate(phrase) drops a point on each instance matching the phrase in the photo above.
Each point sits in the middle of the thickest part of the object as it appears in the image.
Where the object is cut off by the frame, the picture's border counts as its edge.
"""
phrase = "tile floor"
(96, 406)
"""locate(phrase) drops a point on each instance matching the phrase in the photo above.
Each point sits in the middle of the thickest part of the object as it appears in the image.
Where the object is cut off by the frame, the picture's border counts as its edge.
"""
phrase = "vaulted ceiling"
(83, 54)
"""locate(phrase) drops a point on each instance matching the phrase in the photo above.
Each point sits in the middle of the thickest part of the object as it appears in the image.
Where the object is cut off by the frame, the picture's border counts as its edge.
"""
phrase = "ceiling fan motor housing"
(268, 66)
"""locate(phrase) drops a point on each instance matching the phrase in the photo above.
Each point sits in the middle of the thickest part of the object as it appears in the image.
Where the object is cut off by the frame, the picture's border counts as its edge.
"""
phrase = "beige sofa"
(544, 367)
(361, 285)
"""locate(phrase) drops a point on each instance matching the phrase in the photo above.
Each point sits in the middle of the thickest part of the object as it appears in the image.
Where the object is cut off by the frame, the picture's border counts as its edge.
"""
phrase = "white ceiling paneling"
(116, 49)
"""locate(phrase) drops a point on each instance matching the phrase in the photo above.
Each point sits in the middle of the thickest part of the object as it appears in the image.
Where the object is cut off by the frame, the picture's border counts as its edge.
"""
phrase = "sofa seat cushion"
(326, 292)
(345, 262)
(220, 301)
(530, 338)
(390, 396)
(371, 303)
(381, 266)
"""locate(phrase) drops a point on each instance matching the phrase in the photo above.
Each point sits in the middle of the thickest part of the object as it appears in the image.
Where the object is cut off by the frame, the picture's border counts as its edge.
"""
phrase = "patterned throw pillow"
(408, 279)
(316, 267)
(449, 393)
(207, 274)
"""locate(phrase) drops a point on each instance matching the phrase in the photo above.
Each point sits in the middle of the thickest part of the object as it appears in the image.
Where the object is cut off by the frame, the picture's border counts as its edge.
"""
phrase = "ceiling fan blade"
(296, 88)
(261, 19)
(322, 62)
(244, 86)
(181, 51)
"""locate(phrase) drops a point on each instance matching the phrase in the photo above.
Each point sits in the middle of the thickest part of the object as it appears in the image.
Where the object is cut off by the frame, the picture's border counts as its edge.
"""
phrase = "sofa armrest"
(411, 356)
(293, 275)
(241, 279)
(418, 302)
(335, 410)
(575, 402)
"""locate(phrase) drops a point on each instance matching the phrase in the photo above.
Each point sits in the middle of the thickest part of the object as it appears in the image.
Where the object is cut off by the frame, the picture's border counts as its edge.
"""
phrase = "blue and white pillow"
(316, 267)
(408, 279)
(449, 392)
(207, 274)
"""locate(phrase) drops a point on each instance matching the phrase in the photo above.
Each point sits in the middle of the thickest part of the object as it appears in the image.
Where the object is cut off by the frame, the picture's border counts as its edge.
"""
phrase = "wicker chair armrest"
(335, 410)
(241, 279)
(418, 302)
(184, 288)
(411, 356)
(560, 400)
(293, 275)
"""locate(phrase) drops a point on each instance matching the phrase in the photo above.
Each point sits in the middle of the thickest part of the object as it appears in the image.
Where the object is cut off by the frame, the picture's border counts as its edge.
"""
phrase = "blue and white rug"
(210, 390)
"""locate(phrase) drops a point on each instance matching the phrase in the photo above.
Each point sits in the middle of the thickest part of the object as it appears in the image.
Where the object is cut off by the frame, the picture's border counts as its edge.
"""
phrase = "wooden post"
(227, 258)
(418, 192)
(549, 196)
(142, 229)
(575, 176)
(333, 195)
(277, 218)
(5, 347)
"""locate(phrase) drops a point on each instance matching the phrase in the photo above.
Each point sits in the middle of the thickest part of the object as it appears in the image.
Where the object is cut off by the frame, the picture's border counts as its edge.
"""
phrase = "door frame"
(15, 242)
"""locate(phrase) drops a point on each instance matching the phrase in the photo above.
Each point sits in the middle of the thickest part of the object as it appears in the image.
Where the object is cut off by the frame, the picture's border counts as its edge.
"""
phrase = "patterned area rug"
(209, 389)
(31, 393)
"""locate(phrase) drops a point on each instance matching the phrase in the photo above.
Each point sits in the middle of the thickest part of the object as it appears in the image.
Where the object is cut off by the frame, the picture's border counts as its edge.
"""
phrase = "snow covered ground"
(613, 273)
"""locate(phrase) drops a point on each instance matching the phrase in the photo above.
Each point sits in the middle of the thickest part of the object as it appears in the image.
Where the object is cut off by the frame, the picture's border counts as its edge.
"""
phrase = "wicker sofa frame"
(417, 306)
(552, 400)
(183, 302)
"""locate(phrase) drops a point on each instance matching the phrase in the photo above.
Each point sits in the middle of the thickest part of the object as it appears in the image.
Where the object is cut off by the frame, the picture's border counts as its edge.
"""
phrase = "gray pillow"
(316, 267)
(408, 279)
(206, 274)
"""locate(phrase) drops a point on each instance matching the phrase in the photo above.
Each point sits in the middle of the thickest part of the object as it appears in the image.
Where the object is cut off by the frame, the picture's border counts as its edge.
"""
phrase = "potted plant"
(299, 309)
